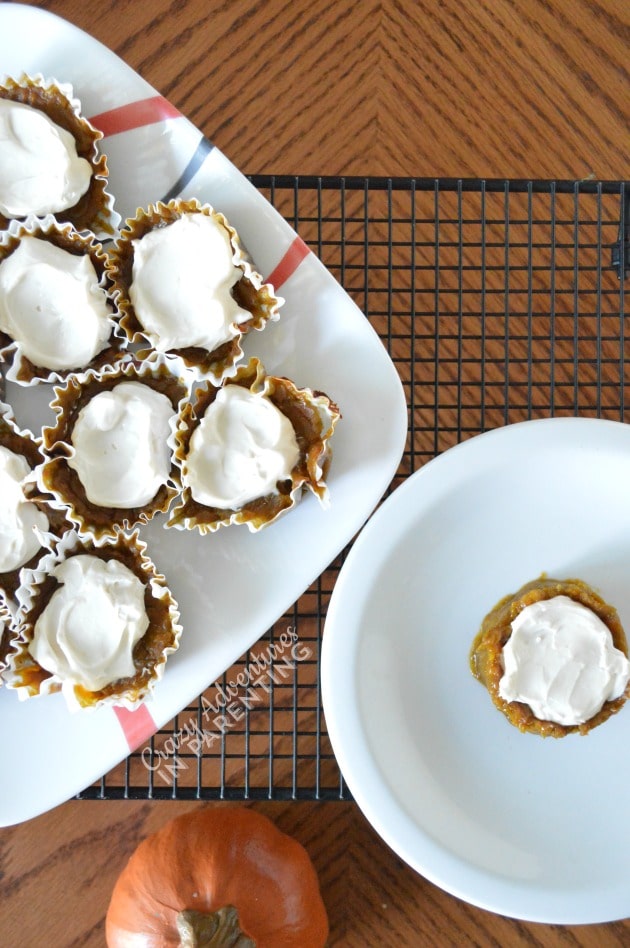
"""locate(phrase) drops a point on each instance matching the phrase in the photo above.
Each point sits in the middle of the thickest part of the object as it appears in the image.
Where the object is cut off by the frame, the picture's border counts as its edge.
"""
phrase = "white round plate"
(532, 828)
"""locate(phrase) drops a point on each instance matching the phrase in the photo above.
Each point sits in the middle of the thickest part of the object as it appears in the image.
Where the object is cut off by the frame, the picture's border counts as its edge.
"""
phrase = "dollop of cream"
(120, 445)
(241, 448)
(560, 660)
(51, 304)
(87, 632)
(18, 516)
(40, 170)
(181, 280)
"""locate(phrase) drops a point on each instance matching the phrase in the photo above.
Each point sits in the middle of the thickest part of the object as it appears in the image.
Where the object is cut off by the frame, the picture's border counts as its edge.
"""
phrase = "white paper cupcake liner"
(314, 417)
(7, 633)
(21, 441)
(259, 298)
(57, 478)
(95, 213)
(21, 370)
(29, 679)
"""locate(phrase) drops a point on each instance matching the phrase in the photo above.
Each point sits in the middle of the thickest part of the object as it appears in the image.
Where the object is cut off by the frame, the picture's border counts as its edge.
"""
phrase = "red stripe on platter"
(289, 263)
(134, 115)
(138, 726)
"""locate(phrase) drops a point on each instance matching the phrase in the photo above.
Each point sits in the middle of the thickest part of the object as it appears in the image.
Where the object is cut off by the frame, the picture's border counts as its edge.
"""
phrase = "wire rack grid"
(498, 301)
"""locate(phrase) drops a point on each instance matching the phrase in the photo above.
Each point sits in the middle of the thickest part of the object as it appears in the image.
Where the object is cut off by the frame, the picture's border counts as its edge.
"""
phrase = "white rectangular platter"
(231, 586)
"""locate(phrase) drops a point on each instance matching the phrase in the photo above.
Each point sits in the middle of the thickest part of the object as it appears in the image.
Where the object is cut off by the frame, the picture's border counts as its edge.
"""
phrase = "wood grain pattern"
(399, 87)
(57, 873)
(493, 88)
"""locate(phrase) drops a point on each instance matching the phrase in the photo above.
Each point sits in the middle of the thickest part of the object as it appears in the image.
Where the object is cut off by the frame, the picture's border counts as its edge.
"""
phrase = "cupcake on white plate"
(109, 460)
(185, 287)
(49, 157)
(249, 449)
(28, 525)
(96, 621)
(56, 315)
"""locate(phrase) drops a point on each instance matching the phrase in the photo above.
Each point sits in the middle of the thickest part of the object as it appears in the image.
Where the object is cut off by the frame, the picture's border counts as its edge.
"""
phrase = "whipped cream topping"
(560, 660)
(241, 448)
(120, 445)
(181, 281)
(52, 306)
(18, 516)
(87, 631)
(40, 171)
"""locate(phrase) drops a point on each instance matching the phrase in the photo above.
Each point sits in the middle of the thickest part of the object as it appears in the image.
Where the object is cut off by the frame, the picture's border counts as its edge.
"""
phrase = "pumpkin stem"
(211, 929)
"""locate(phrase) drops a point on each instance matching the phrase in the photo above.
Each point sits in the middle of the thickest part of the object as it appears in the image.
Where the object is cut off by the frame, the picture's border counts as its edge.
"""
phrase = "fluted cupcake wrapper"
(23, 442)
(313, 416)
(55, 475)
(7, 633)
(251, 292)
(150, 654)
(94, 212)
(21, 370)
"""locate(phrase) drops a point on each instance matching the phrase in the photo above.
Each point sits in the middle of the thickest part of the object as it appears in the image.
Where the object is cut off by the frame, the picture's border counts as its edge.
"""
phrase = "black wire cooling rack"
(498, 301)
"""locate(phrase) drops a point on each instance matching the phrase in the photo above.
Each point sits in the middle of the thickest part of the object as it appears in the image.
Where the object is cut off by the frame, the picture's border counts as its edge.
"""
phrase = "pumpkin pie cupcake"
(185, 287)
(56, 315)
(27, 524)
(49, 159)
(95, 621)
(554, 658)
(248, 449)
(109, 457)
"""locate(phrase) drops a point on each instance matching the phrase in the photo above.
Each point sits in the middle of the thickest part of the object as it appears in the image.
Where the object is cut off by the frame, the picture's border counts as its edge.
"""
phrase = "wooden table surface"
(536, 88)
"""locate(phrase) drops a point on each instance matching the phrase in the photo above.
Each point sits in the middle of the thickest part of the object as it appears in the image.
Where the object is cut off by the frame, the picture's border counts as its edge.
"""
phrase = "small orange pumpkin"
(218, 877)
